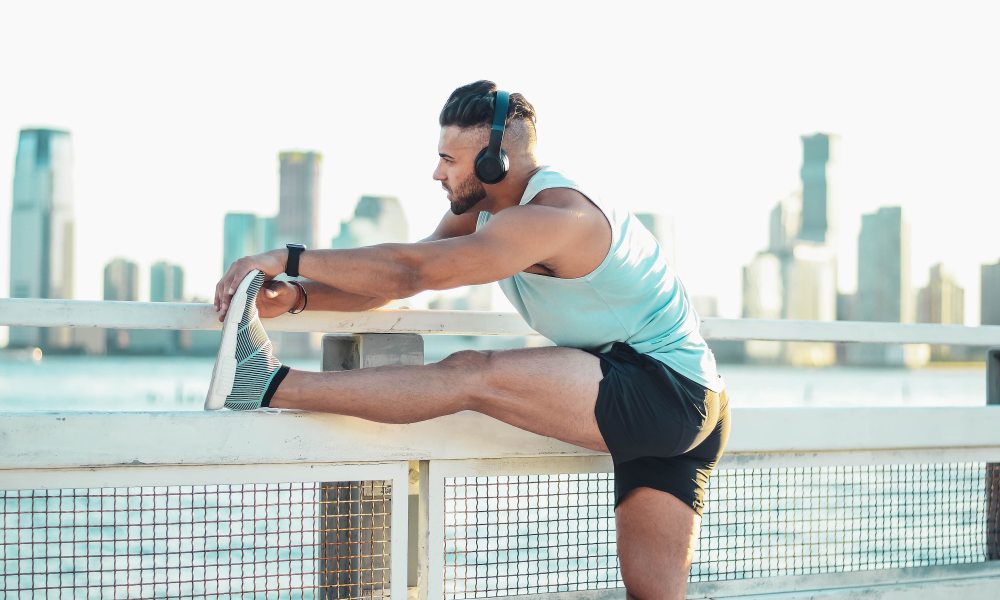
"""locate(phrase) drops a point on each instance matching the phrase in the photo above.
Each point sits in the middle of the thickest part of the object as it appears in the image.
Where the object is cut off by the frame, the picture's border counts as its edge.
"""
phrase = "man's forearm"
(384, 271)
(325, 297)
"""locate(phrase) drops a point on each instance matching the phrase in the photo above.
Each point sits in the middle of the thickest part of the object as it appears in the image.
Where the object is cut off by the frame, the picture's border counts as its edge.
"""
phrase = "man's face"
(457, 151)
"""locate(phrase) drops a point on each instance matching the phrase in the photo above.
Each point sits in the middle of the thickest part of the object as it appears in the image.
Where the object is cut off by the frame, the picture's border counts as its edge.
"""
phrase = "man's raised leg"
(548, 391)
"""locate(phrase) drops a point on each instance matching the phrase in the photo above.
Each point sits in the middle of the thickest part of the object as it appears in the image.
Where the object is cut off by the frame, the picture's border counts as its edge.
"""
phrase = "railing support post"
(417, 571)
(352, 538)
(993, 469)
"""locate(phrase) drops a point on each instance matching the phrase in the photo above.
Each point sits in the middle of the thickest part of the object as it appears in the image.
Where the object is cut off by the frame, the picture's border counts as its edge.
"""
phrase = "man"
(631, 374)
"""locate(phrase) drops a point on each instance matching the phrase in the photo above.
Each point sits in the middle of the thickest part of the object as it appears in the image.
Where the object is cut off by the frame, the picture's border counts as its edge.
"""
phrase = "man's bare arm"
(325, 297)
(512, 241)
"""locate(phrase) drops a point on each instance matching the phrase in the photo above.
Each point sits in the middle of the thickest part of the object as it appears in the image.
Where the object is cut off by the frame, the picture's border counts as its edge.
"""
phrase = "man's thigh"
(550, 391)
(657, 534)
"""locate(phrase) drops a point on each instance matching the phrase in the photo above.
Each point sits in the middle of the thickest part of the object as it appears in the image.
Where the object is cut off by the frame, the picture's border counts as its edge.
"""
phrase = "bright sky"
(179, 109)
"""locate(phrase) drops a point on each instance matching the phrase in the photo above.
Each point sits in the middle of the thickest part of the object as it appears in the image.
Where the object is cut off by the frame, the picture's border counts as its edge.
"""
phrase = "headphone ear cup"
(489, 168)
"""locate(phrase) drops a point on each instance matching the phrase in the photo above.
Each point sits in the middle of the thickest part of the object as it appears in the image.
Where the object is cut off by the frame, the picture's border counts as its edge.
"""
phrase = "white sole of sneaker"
(224, 372)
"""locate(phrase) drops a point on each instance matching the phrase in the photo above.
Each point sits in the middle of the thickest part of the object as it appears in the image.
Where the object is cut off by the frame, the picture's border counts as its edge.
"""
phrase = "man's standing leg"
(657, 534)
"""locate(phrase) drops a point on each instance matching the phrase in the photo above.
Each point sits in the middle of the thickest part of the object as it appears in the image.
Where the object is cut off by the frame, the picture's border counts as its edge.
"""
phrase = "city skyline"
(918, 137)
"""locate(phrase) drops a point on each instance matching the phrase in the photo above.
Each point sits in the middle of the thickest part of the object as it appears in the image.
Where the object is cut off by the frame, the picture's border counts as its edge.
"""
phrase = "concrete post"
(993, 469)
(354, 517)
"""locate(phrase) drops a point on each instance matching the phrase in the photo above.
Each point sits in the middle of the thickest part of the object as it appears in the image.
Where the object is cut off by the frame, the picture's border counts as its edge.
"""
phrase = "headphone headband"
(491, 163)
(499, 121)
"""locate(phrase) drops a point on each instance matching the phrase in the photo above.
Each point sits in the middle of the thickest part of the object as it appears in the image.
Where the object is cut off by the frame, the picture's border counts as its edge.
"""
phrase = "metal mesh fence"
(807, 520)
(504, 535)
(288, 540)
(552, 533)
(529, 534)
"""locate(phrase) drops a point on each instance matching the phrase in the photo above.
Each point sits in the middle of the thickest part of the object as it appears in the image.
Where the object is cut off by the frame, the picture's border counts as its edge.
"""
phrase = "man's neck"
(509, 192)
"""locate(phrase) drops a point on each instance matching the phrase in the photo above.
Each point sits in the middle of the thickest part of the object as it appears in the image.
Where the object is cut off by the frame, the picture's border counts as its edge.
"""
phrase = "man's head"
(465, 129)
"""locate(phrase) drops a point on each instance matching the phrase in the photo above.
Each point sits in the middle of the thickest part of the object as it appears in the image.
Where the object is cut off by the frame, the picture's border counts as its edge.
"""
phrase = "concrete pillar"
(354, 516)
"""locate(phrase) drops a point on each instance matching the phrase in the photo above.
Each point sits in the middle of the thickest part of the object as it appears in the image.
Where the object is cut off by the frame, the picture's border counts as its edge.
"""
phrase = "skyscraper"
(884, 267)
(239, 237)
(884, 292)
(121, 280)
(387, 213)
(942, 301)
(41, 241)
(810, 276)
(166, 282)
(377, 220)
(121, 283)
(298, 200)
(786, 220)
(763, 298)
(817, 162)
(244, 234)
(267, 233)
(989, 311)
(298, 221)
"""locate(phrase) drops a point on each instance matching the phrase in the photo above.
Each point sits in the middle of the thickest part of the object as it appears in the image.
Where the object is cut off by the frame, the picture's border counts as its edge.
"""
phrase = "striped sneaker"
(246, 365)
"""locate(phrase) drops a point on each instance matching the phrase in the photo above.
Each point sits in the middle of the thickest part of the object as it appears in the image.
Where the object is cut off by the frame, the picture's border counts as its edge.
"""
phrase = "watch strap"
(292, 264)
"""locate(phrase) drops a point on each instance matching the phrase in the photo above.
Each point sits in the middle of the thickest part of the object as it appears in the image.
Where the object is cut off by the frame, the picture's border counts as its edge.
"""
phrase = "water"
(98, 383)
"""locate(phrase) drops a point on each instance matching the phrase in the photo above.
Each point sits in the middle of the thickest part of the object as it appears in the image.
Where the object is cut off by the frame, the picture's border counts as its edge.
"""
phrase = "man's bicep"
(508, 244)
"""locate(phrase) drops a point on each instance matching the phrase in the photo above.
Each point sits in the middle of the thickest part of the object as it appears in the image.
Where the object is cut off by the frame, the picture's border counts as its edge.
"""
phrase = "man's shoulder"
(560, 198)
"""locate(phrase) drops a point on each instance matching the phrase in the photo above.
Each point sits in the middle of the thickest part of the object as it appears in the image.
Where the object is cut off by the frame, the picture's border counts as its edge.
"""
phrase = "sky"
(178, 111)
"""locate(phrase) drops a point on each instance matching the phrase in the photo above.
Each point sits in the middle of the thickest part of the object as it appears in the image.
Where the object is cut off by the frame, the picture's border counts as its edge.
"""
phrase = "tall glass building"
(989, 306)
(41, 241)
(121, 283)
(298, 199)
(121, 280)
(239, 237)
(884, 291)
(377, 220)
(244, 234)
(817, 165)
(166, 282)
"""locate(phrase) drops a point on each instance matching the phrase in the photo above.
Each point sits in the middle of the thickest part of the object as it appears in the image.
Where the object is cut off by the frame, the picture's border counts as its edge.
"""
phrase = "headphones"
(491, 162)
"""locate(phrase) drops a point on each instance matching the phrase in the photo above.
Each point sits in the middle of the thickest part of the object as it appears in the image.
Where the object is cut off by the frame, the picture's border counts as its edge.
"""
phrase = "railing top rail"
(168, 315)
(70, 440)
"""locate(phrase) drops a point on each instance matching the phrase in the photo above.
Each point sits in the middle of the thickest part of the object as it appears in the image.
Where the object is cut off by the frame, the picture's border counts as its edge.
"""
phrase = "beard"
(467, 195)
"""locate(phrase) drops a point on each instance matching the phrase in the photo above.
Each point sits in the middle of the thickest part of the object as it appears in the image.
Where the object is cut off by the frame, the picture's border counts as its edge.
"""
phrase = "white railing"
(169, 315)
(164, 449)
(100, 450)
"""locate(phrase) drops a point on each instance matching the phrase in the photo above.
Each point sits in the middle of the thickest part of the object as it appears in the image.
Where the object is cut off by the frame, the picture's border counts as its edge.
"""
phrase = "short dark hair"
(473, 105)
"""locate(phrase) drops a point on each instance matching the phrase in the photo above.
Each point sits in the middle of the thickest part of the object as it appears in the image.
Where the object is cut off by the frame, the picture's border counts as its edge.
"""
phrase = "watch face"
(296, 246)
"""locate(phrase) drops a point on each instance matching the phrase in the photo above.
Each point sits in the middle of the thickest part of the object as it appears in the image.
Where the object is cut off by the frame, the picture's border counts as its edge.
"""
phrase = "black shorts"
(664, 431)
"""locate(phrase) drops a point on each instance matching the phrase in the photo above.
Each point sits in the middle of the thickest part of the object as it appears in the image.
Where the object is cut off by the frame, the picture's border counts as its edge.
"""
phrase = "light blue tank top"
(633, 296)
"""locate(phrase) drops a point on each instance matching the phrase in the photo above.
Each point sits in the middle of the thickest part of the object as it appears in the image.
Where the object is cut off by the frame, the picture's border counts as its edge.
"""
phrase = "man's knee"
(473, 369)
(469, 360)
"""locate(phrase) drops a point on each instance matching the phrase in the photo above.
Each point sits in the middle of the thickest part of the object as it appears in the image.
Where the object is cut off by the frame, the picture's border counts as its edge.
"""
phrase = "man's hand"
(270, 263)
(277, 298)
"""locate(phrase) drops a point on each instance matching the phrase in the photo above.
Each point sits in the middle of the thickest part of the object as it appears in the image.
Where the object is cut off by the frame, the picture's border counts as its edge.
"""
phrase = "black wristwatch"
(292, 265)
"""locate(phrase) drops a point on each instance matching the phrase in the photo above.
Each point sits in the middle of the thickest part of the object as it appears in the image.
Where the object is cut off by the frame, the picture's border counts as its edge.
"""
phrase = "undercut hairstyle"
(472, 105)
